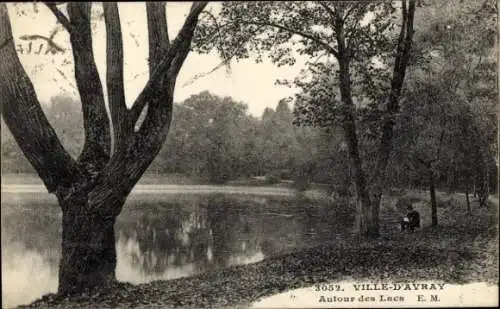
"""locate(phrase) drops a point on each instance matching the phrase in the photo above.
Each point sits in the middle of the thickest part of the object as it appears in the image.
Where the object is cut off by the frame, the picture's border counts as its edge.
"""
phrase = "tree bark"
(159, 41)
(114, 76)
(97, 146)
(88, 259)
(432, 191)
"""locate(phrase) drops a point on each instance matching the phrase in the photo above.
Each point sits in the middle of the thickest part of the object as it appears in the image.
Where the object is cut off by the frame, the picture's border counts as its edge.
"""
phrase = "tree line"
(211, 138)
(214, 139)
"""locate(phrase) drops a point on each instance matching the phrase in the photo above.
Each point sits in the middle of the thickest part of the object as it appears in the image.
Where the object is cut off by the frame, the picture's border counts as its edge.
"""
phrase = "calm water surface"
(161, 236)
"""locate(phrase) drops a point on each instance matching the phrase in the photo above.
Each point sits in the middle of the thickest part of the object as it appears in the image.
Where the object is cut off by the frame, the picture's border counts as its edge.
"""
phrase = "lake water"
(163, 236)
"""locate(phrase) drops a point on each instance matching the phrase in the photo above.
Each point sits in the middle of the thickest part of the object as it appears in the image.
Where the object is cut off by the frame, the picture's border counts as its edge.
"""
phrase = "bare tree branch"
(186, 36)
(158, 94)
(159, 44)
(114, 74)
(60, 16)
(25, 119)
(157, 33)
(97, 146)
(164, 66)
(49, 41)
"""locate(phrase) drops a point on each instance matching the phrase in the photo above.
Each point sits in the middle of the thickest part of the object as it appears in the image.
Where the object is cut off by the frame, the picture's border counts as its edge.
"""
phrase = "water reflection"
(159, 237)
(165, 242)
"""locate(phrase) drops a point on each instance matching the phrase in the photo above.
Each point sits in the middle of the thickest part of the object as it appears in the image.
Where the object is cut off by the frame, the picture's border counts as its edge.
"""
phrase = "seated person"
(414, 218)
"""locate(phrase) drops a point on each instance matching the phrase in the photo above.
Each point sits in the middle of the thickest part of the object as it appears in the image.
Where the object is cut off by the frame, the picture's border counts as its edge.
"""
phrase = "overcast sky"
(247, 81)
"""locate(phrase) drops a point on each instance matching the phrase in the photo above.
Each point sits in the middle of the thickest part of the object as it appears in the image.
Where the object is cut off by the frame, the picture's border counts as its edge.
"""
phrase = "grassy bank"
(462, 249)
(147, 179)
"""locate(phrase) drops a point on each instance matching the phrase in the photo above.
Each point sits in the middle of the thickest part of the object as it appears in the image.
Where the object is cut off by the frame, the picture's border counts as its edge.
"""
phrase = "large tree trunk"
(433, 199)
(92, 189)
(365, 219)
(88, 259)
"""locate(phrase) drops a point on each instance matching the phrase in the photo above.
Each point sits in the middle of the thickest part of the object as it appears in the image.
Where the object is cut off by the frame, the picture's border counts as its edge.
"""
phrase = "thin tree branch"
(349, 32)
(60, 16)
(218, 31)
(352, 8)
(327, 46)
(53, 45)
(327, 8)
(187, 37)
(400, 65)
(114, 74)
(226, 59)
(97, 146)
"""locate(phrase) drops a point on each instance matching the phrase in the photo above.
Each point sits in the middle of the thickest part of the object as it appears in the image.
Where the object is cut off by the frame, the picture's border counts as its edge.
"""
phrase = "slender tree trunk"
(88, 245)
(487, 184)
(366, 225)
(374, 229)
(482, 190)
(433, 199)
(467, 199)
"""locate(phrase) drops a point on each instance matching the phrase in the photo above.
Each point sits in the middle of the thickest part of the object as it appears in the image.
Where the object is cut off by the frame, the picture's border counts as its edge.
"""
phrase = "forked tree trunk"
(369, 191)
(92, 189)
(88, 259)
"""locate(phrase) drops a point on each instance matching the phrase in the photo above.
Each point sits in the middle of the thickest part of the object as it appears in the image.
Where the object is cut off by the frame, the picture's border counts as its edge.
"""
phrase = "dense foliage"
(212, 138)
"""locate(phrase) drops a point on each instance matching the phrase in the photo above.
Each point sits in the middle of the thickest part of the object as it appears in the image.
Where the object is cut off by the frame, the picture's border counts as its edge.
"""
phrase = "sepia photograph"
(249, 154)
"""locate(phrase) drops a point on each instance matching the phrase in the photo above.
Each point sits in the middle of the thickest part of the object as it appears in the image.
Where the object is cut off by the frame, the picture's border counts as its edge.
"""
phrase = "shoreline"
(363, 261)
